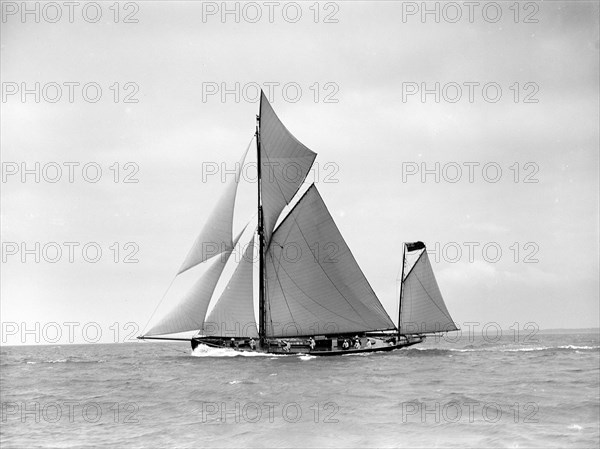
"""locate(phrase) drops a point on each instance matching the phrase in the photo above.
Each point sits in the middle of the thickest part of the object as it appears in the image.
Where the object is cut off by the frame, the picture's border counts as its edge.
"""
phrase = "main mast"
(401, 285)
(261, 244)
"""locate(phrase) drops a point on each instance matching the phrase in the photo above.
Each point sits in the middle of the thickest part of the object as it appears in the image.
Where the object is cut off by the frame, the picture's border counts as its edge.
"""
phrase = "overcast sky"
(543, 130)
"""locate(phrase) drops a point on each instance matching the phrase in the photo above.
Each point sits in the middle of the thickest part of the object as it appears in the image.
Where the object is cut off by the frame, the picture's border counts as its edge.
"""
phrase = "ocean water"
(532, 391)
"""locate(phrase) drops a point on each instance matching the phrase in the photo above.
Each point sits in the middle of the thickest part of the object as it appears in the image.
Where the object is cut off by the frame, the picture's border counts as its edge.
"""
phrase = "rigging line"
(315, 258)
(159, 303)
(378, 304)
(313, 300)
(307, 295)
(323, 269)
(410, 303)
(380, 307)
(268, 304)
(282, 292)
(325, 273)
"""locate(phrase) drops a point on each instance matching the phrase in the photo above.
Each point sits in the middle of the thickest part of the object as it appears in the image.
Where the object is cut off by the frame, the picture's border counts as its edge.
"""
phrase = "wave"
(501, 349)
(206, 351)
(67, 360)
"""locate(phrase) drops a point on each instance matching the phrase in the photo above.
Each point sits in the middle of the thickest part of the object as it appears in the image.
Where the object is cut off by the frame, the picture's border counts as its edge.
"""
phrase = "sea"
(469, 390)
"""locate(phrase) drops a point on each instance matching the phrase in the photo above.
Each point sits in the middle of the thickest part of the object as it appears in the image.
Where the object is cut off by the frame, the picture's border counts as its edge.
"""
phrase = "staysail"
(233, 314)
(314, 284)
(422, 308)
(216, 236)
(285, 163)
(191, 310)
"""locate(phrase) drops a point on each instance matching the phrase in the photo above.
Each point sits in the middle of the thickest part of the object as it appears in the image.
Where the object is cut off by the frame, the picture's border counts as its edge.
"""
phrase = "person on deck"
(356, 342)
(345, 345)
(369, 344)
(312, 343)
(252, 344)
(232, 343)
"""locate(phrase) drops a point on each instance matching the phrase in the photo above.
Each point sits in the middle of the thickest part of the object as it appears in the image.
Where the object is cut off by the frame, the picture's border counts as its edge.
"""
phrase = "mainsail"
(314, 284)
(285, 163)
(233, 314)
(422, 308)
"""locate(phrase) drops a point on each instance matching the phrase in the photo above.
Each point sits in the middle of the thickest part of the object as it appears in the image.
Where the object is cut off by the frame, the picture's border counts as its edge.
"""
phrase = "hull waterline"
(304, 349)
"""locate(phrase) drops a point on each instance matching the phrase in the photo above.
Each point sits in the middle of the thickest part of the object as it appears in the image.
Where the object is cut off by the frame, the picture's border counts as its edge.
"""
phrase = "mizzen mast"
(401, 285)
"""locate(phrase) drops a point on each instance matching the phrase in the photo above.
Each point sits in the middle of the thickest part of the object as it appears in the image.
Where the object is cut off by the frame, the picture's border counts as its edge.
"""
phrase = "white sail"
(233, 314)
(422, 307)
(314, 284)
(189, 314)
(216, 236)
(285, 163)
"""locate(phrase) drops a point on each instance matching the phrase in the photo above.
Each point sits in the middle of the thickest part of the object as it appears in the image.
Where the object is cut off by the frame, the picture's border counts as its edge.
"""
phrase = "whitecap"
(207, 351)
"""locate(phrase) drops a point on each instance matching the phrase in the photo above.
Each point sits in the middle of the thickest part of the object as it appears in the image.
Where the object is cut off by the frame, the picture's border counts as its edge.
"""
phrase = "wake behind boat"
(318, 301)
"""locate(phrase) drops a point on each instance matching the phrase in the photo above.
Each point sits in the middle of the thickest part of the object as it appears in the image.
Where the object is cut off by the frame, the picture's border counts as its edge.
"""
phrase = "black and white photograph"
(303, 224)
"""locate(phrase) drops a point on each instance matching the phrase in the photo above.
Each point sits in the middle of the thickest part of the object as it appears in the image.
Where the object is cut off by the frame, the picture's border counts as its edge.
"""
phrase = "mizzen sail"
(422, 308)
(314, 284)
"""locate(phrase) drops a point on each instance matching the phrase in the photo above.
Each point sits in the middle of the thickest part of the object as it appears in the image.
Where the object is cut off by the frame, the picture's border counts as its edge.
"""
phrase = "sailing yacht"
(317, 301)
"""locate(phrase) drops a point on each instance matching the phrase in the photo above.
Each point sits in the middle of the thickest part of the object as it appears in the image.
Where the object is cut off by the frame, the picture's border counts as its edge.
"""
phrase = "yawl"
(316, 302)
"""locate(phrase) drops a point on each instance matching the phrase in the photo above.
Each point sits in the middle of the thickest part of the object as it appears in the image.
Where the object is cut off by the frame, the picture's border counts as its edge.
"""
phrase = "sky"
(475, 131)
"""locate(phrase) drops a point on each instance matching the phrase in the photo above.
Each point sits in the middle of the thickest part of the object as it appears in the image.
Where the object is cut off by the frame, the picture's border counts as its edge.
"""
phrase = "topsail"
(285, 163)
